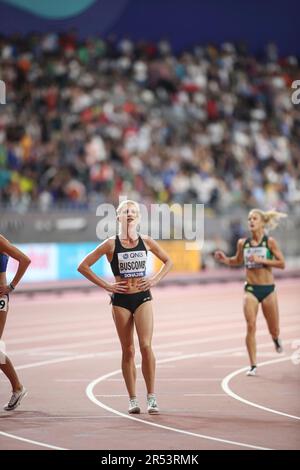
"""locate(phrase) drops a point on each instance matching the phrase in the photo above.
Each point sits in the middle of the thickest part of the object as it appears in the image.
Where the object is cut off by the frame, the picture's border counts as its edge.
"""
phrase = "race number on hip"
(3, 303)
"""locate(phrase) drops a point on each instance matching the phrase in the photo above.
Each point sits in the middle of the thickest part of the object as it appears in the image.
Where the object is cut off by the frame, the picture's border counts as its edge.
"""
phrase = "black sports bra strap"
(141, 242)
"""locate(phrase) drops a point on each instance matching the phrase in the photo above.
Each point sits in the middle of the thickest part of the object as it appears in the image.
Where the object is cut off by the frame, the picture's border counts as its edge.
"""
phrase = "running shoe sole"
(134, 411)
(153, 411)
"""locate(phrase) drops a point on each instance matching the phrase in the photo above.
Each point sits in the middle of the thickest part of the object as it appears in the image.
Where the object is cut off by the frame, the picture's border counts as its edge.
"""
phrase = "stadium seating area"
(87, 121)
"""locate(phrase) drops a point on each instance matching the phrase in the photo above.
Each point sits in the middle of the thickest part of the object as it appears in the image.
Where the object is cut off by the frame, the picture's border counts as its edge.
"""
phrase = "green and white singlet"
(262, 250)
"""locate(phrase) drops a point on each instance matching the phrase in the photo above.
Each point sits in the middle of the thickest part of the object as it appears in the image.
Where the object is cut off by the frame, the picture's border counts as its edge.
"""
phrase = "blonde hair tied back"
(270, 218)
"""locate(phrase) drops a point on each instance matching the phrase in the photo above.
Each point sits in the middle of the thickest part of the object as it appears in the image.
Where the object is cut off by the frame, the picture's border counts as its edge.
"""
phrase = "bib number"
(3, 303)
(132, 264)
(260, 251)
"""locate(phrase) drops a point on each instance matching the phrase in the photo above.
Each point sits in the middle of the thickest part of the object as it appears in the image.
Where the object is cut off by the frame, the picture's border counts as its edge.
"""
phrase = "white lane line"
(30, 441)
(172, 379)
(88, 356)
(261, 354)
(162, 346)
(111, 396)
(71, 380)
(69, 334)
(56, 347)
(57, 361)
(202, 395)
(227, 389)
(224, 366)
(61, 359)
(42, 418)
(109, 353)
(163, 366)
(167, 394)
(76, 322)
(92, 397)
(95, 331)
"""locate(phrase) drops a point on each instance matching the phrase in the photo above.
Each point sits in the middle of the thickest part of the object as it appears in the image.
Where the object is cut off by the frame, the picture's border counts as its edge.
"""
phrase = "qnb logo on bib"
(260, 251)
(132, 263)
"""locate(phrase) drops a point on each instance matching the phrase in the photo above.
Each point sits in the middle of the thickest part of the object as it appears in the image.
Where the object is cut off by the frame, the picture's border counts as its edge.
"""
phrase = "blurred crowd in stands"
(86, 121)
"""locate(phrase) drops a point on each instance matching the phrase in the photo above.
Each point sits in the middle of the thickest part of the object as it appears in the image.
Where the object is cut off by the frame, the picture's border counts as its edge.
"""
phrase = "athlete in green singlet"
(259, 253)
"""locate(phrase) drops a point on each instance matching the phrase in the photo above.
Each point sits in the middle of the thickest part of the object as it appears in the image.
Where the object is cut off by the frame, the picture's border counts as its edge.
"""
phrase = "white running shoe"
(278, 345)
(252, 371)
(134, 408)
(152, 407)
(15, 400)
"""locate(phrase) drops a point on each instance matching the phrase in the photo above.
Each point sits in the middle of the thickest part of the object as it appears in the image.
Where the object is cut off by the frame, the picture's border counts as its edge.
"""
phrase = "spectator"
(87, 121)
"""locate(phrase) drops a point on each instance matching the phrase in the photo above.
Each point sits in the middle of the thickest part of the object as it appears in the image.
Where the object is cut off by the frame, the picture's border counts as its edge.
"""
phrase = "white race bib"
(3, 303)
(132, 263)
(260, 251)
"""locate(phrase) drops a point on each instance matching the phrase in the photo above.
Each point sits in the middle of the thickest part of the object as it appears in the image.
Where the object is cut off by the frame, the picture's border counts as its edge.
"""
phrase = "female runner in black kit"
(131, 296)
